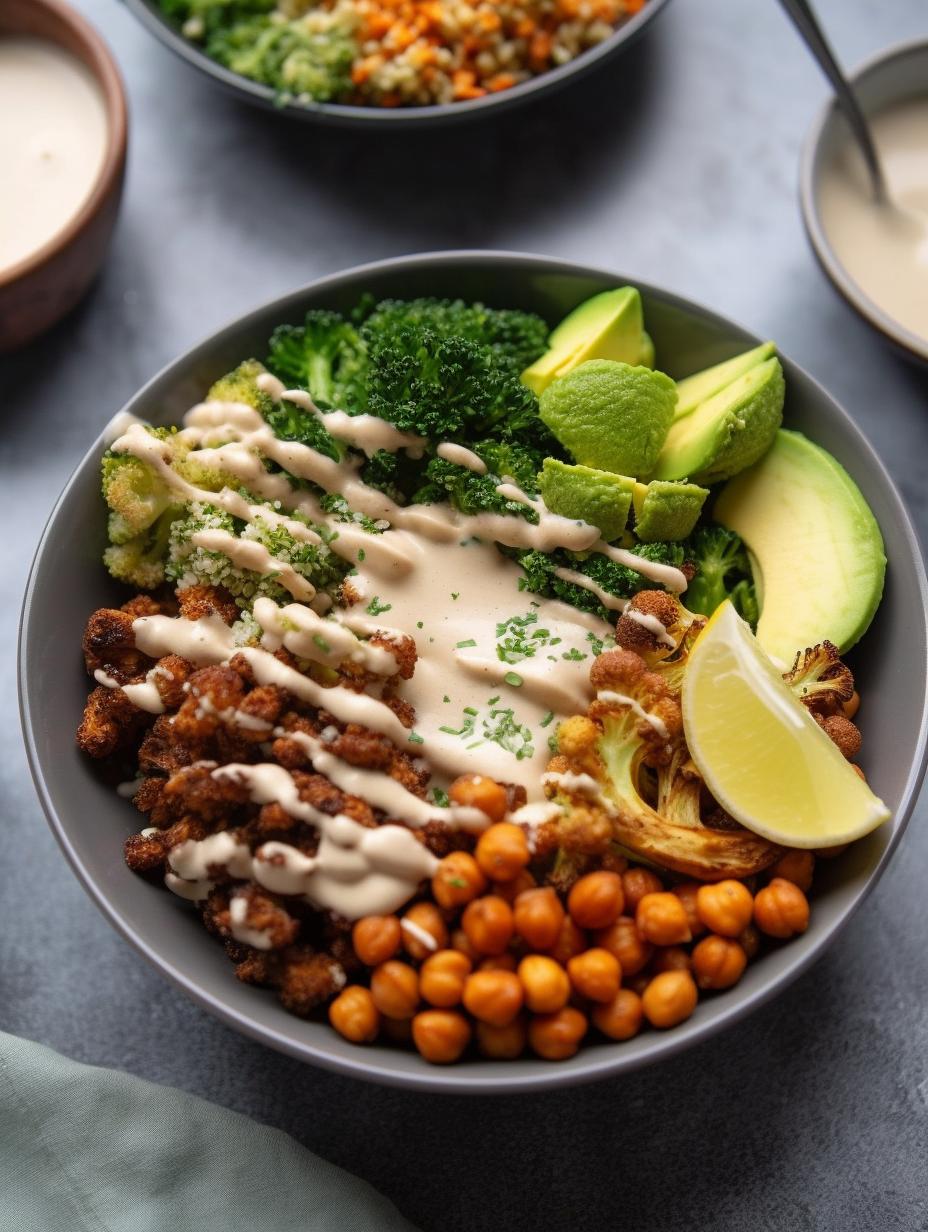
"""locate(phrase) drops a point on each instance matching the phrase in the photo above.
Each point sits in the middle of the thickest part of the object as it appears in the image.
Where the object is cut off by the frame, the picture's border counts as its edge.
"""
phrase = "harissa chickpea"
(669, 998)
(636, 882)
(354, 1015)
(538, 916)
(596, 900)
(557, 1036)
(457, 880)
(442, 977)
(595, 974)
(624, 941)
(545, 984)
(671, 958)
(502, 1043)
(502, 851)
(661, 919)
(479, 792)
(420, 920)
(493, 996)
(376, 938)
(488, 924)
(725, 907)
(440, 1035)
(510, 890)
(395, 989)
(686, 892)
(797, 867)
(718, 962)
(781, 909)
(620, 1018)
(571, 941)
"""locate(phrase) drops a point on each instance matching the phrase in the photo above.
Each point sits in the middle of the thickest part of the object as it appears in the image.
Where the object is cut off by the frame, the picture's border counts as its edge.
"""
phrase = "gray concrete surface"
(677, 165)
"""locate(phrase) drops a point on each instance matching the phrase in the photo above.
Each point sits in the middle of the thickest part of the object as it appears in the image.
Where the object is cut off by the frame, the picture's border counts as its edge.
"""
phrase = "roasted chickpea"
(619, 1018)
(557, 1036)
(458, 880)
(595, 974)
(718, 962)
(749, 940)
(442, 976)
(499, 962)
(510, 890)
(781, 909)
(725, 907)
(488, 924)
(354, 1015)
(661, 919)
(538, 917)
(440, 1035)
(686, 892)
(395, 989)
(627, 944)
(636, 883)
(376, 938)
(671, 958)
(502, 851)
(638, 983)
(461, 941)
(545, 983)
(479, 792)
(596, 900)
(571, 940)
(493, 996)
(797, 867)
(502, 1043)
(852, 705)
(669, 999)
(419, 920)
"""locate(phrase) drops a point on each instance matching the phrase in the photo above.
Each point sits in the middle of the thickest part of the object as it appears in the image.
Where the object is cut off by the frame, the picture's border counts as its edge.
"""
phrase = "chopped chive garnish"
(468, 642)
(548, 719)
(415, 738)
(513, 678)
(375, 607)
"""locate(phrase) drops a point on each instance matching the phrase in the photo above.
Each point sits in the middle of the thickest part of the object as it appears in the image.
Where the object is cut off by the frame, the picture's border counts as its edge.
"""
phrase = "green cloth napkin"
(92, 1150)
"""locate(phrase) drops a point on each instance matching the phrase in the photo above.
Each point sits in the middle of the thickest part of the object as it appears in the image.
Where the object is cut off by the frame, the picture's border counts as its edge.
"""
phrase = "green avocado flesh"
(729, 431)
(702, 385)
(588, 495)
(608, 326)
(610, 415)
(815, 546)
(665, 510)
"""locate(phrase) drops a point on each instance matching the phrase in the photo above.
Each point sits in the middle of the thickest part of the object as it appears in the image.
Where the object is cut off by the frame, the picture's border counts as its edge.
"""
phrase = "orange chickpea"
(488, 924)
(624, 941)
(638, 983)
(502, 851)
(669, 999)
(749, 940)
(442, 976)
(502, 1043)
(619, 1018)
(686, 892)
(636, 883)
(376, 938)
(781, 909)
(595, 975)
(498, 962)
(671, 958)
(440, 1035)
(571, 941)
(419, 919)
(354, 1015)
(493, 996)
(538, 917)
(395, 989)
(510, 890)
(479, 792)
(557, 1036)
(661, 919)
(725, 907)
(718, 962)
(596, 900)
(797, 867)
(458, 880)
(545, 982)
(460, 941)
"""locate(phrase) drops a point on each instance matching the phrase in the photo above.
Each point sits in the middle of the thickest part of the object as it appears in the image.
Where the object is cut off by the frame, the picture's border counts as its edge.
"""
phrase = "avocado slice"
(666, 510)
(702, 385)
(727, 432)
(611, 416)
(816, 549)
(646, 357)
(608, 326)
(587, 494)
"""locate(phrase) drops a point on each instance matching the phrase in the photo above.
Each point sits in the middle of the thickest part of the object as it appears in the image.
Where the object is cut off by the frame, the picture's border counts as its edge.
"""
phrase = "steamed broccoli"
(468, 491)
(619, 580)
(723, 572)
(240, 385)
(306, 57)
(519, 461)
(135, 493)
(395, 474)
(139, 561)
(324, 355)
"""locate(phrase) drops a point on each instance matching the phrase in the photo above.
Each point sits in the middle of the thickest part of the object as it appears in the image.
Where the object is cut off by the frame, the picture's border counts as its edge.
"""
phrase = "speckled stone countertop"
(677, 165)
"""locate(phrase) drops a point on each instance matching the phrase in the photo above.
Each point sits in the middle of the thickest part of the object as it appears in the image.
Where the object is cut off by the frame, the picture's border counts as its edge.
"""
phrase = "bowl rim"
(358, 116)
(102, 65)
(447, 1080)
(912, 344)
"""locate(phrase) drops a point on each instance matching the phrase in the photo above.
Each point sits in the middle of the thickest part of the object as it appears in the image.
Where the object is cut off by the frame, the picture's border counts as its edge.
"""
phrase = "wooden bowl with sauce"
(56, 225)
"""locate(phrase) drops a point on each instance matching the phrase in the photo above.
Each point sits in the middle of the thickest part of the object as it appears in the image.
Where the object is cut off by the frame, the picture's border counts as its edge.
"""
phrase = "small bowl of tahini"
(63, 153)
(876, 255)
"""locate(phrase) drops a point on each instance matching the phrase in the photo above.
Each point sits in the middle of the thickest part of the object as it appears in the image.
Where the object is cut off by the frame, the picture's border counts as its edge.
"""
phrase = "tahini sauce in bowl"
(53, 141)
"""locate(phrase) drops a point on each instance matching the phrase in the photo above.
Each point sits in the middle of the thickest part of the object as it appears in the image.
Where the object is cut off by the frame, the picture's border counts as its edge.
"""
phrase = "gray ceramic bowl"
(892, 76)
(90, 821)
(392, 118)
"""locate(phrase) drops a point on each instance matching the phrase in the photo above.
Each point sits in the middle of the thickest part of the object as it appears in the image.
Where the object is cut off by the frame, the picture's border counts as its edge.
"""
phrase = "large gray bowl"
(90, 821)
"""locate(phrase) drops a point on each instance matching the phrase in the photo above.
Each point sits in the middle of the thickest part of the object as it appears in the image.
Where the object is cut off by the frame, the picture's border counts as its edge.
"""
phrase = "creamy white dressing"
(460, 455)
(53, 138)
(250, 554)
(239, 927)
(620, 699)
(652, 624)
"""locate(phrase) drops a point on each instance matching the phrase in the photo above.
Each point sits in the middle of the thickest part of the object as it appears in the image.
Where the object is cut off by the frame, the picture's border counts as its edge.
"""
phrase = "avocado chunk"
(588, 495)
(702, 385)
(610, 415)
(729, 431)
(666, 510)
(816, 549)
(646, 357)
(608, 326)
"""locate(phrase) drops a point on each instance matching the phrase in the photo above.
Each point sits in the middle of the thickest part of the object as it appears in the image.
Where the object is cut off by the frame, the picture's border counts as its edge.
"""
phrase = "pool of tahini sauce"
(884, 250)
(53, 134)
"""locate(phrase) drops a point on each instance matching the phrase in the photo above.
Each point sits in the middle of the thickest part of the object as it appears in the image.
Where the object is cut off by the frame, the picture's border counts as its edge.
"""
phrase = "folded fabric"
(84, 1149)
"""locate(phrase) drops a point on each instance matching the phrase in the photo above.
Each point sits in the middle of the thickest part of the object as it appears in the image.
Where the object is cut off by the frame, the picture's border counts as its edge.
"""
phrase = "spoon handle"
(800, 11)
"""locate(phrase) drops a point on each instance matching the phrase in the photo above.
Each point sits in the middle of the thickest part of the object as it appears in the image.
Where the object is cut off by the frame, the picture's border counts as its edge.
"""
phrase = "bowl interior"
(891, 77)
(68, 583)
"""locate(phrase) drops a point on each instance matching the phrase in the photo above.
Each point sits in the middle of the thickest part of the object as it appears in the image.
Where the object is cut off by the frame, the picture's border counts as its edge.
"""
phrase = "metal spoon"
(807, 24)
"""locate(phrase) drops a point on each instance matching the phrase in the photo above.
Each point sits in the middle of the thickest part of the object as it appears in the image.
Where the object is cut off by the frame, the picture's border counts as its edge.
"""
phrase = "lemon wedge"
(762, 755)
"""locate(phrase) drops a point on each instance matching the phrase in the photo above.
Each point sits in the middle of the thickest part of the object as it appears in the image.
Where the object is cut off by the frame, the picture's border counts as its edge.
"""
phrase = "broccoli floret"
(306, 57)
(200, 17)
(619, 580)
(520, 461)
(395, 474)
(241, 385)
(294, 423)
(139, 561)
(324, 355)
(135, 492)
(723, 572)
(468, 491)
(820, 679)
